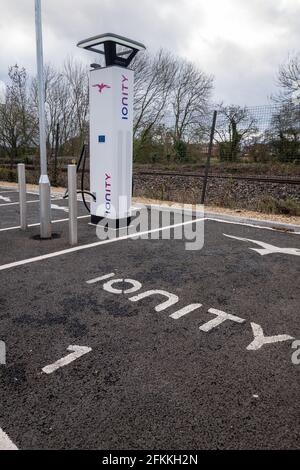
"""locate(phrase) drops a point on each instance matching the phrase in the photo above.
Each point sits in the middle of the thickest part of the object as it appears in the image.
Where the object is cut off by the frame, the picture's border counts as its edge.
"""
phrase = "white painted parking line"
(16, 191)
(105, 242)
(2, 353)
(93, 245)
(37, 224)
(59, 208)
(234, 220)
(28, 202)
(245, 224)
(5, 442)
(5, 198)
(76, 353)
(16, 203)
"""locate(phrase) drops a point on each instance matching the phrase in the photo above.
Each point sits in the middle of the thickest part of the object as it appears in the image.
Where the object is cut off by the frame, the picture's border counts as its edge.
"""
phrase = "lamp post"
(44, 184)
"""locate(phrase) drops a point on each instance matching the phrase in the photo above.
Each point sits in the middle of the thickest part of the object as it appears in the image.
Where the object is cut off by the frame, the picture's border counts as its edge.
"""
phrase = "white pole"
(72, 191)
(22, 195)
(44, 184)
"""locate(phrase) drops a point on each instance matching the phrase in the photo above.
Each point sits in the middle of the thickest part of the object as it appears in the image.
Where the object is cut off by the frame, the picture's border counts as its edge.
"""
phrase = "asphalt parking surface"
(149, 380)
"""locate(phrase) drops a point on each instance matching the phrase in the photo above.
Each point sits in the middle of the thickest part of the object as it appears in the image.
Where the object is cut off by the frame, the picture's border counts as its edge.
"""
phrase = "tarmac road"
(151, 381)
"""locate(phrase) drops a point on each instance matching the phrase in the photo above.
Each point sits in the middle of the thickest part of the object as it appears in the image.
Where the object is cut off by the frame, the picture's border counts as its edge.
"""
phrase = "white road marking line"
(37, 224)
(76, 352)
(185, 310)
(16, 191)
(5, 442)
(16, 203)
(102, 278)
(53, 206)
(266, 249)
(5, 199)
(215, 218)
(252, 225)
(91, 245)
(5, 191)
(28, 202)
(59, 208)
(36, 200)
(2, 353)
(105, 242)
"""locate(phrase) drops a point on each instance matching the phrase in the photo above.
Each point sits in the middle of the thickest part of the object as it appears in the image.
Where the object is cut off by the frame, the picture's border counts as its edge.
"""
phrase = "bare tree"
(284, 134)
(288, 80)
(234, 125)
(56, 105)
(154, 77)
(78, 89)
(190, 96)
(66, 95)
(17, 119)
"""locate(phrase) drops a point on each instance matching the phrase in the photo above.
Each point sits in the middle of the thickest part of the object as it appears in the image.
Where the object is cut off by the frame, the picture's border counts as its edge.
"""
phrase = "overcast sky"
(240, 42)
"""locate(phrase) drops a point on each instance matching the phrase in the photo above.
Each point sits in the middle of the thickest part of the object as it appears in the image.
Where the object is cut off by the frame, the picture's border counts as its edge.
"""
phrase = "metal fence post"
(22, 195)
(207, 166)
(72, 191)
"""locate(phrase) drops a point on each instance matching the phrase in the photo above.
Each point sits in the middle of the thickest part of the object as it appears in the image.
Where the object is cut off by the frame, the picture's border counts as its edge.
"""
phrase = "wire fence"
(259, 140)
(258, 134)
(254, 162)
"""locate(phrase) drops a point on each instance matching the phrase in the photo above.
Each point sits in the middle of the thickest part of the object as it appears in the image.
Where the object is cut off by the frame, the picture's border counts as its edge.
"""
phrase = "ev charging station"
(111, 91)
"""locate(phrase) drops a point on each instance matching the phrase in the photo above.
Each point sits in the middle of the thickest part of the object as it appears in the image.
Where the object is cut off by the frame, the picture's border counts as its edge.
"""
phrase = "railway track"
(260, 179)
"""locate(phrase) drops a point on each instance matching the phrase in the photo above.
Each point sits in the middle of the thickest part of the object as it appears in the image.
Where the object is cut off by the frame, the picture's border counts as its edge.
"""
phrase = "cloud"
(241, 43)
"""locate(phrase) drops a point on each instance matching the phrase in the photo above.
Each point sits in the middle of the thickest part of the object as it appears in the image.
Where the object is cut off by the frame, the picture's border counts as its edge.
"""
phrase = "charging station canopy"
(117, 50)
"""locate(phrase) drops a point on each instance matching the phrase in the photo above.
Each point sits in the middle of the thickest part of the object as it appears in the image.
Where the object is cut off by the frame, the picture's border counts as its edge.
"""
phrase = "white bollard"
(72, 190)
(22, 195)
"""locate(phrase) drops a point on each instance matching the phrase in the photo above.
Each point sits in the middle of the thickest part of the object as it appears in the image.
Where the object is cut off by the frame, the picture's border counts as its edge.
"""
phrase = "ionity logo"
(107, 193)
(101, 87)
(125, 109)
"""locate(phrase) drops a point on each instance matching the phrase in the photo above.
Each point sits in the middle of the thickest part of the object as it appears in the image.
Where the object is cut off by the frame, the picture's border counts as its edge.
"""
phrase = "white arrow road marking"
(5, 442)
(267, 249)
(59, 208)
(5, 199)
(76, 352)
